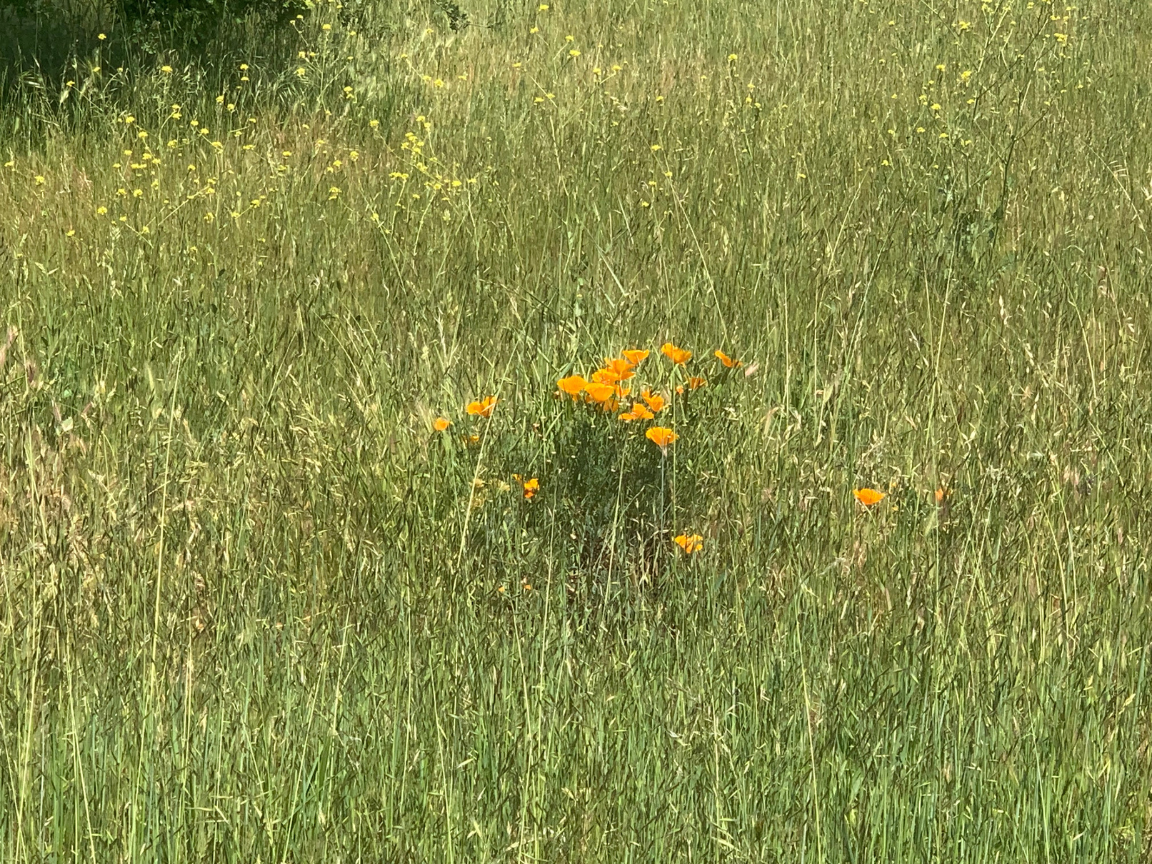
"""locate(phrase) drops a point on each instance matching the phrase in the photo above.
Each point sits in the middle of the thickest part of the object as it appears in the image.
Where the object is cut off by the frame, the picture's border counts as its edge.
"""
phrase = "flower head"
(655, 401)
(676, 355)
(634, 356)
(867, 496)
(696, 382)
(638, 412)
(599, 391)
(661, 437)
(482, 408)
(730, 362)
(440, 424)
(573, 385)
(689, 543)
(530, 486)
(620, 367)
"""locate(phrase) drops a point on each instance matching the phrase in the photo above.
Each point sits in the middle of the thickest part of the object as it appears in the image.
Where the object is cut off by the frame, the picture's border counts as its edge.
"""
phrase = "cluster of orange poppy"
(605, 388)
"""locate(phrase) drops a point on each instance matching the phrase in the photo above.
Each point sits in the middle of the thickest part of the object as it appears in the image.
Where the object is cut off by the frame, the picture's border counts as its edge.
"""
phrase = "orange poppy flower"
(940, 494)
(867, 496)
(531, 486)
(696, 381)
(620, 367)
(599, 391)
(730, 362)
(482, 408)
(676, 355)
(638, 412)
(573, 385)
(634, 356)
(661, 437)
(605, 376)
(441, 423)
(655, 401)
(689, 543)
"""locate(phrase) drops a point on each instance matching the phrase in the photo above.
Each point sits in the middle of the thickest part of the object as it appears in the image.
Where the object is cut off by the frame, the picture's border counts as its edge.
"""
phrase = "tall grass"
(257, 609)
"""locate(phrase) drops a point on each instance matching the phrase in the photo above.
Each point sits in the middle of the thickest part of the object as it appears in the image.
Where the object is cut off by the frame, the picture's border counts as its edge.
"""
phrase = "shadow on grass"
(33, 41)
(44, 43)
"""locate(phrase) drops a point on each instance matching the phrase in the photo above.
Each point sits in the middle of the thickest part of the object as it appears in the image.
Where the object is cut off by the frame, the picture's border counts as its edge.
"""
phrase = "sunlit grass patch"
(579, 432)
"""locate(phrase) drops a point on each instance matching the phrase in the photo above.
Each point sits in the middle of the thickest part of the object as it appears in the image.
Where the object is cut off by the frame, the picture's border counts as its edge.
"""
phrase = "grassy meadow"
(260, 606)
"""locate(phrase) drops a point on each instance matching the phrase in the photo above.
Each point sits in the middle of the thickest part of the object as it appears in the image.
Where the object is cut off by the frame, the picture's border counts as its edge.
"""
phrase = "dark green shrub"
(178, 13)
